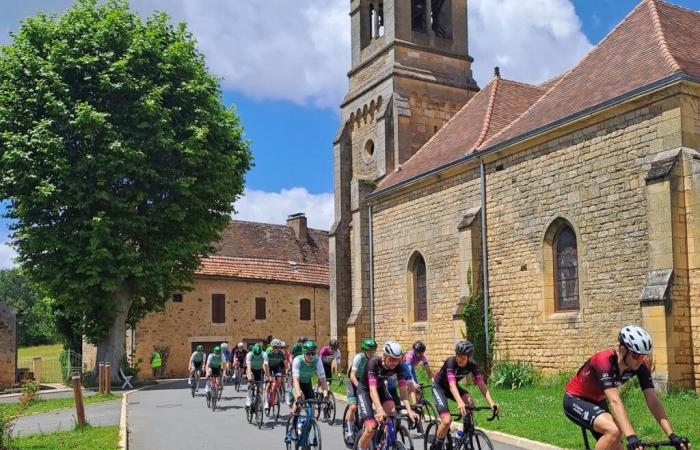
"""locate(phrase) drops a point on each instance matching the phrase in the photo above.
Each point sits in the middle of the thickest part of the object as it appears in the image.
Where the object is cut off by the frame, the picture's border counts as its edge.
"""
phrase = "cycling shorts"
(277, 371)
(258, 375)
(215, 371)
(328, 370)
(440, 395)
(364, 401)
(584, 412)
(197, 365)
(307, 391)
(410, 373)
(351, 393)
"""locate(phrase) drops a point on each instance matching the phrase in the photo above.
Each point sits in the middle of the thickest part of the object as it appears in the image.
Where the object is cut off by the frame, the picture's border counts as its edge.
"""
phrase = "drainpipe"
(484, 255)
(371, 276)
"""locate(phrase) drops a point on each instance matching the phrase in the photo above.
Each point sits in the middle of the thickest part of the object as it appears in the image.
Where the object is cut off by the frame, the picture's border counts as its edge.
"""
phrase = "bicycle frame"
(654, 445)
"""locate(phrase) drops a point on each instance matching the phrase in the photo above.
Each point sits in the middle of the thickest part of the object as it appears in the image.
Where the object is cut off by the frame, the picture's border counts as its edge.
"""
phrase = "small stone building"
(588, 186)
(8, 344)
(263, 280)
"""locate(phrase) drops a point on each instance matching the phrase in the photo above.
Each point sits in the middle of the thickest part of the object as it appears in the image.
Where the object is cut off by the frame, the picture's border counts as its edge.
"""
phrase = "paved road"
(166, 416)
(97, 414)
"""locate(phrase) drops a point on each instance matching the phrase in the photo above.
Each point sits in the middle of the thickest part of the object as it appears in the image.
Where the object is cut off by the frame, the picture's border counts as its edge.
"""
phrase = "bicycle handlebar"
(494, 414)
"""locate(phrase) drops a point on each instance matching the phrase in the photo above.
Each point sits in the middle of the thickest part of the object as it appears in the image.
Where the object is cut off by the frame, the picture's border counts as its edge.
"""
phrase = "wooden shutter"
(305, 309)
(218, 308)
(260, 313)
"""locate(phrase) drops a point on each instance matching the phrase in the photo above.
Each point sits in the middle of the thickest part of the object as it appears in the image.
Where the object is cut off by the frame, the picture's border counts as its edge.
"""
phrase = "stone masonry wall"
(8, 344)
(191, 320)
(594, 178)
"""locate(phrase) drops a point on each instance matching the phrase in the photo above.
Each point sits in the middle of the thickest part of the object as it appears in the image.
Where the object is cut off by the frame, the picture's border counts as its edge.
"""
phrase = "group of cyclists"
(378, 382)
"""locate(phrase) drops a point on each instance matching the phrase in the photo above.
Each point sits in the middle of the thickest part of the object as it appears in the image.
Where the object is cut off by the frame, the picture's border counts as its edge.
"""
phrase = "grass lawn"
(49, 354)
(40, 351)
(536, 413)
(39, 406)
(89, 438)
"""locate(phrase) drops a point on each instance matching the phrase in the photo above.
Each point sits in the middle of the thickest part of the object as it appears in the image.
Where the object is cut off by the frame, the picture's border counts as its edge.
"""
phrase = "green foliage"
(130, 371)
(473, 316)
(556, 380)
(514, 375)
(118, 159)
(86, 438)
(38, 326)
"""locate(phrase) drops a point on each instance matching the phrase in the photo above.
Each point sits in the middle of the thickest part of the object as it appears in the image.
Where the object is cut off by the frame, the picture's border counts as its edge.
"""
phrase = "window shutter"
(305, 309)
(260, 313)
(218, 308)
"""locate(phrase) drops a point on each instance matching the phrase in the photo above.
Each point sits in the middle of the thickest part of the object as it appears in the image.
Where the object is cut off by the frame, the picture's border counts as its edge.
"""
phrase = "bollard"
(78, 393)
(100, 377)
(108, 378)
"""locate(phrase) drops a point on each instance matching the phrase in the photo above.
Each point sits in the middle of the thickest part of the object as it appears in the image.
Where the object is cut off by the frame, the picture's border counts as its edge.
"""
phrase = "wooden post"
(108, 378)
(36, 367)
(78, 393)
(100, 376)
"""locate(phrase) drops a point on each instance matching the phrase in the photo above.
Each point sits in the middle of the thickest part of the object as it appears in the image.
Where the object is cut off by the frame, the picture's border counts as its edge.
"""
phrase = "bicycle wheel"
(278, 403)
(290, 433)
(329, 409)
(259, 412)
(428, 411)
(477, 441)
(404, 437)
(193, 387)
(214, 398)
(208, 396)
(429, 434)
(313, 440)
(317, 408)
(237, 382)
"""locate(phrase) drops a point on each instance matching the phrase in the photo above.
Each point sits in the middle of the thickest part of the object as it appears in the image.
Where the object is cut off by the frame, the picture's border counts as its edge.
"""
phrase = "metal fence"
(54, 369)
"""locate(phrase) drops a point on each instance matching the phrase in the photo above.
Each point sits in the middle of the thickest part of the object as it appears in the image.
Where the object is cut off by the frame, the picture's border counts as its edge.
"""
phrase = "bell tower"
(410, 73)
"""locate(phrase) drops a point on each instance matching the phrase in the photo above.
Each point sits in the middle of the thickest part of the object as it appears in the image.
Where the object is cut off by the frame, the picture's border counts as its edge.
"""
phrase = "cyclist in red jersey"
(593, 391)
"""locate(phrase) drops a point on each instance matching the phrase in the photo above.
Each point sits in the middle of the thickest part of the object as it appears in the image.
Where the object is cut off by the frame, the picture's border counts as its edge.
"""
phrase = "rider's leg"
(605, 425)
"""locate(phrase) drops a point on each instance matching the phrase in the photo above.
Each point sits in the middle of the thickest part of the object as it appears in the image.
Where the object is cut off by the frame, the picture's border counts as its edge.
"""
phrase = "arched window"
(418, 21)
(419, 288)
(565, 261)
(304, 309)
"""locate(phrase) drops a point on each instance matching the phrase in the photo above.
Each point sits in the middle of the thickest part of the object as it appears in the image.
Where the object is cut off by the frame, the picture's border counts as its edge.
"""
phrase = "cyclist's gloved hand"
(679, 442)
(633, 442)
(495, 408)
(299, 401)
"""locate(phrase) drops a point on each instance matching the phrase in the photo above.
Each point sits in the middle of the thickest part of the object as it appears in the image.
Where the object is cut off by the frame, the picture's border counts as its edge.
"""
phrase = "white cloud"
(274, 207)
(7, 255)
(530, 41)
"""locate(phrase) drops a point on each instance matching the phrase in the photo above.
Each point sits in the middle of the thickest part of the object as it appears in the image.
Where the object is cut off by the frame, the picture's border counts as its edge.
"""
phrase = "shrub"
(473, 316)
(514, 375)
(29, 390)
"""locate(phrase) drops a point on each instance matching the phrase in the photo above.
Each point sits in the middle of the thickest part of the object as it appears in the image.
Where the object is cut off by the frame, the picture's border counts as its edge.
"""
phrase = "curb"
(499, 437)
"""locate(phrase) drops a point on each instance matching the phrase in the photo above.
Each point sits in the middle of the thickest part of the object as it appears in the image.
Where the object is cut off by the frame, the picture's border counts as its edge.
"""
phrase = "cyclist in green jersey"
(304, 367)
(276, 362)
(355, 373)
(257, 367)
(214, 364)
(196, 361)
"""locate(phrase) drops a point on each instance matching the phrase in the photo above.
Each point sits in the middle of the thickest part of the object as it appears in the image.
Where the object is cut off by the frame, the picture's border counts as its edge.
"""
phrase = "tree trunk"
(111, 348)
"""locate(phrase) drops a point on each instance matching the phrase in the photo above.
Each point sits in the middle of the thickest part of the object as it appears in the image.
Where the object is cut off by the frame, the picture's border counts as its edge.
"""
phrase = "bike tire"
(317, 408)
(478, 441)
(329, 409)
(404, 438)
(208, 397)
(291, 430)
(429, 434)
(259, 413)
(399, 446)
(429, 412)
(313, 441)
(193, 387)
(214, 399)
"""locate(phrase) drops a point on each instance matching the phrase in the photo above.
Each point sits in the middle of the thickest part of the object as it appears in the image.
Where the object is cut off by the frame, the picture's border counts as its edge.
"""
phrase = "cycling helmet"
(419, 347)
(200, 348)
(635, 339)
(283, 344)
(217, 349)
(464, 348)
(257, 349)
(302, 339)
(333, 344)
(393, 349)
(241, 345)
(369, 344)
(310, 346)
(276, 343)
(224, 345)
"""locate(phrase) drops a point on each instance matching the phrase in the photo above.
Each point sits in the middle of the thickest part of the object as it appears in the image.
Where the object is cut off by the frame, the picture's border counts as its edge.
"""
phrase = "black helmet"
(333, 344)
(419, 347)
(302, 339)
(464, 348)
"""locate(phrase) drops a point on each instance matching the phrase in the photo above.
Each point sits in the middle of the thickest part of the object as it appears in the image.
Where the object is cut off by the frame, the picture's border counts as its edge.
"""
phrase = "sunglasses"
(636, 355)
(310, 353)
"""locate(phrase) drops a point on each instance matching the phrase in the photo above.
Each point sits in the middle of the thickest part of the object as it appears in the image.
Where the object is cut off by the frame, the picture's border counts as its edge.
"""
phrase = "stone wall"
(8, 344)
(593, 177)
(190, 321)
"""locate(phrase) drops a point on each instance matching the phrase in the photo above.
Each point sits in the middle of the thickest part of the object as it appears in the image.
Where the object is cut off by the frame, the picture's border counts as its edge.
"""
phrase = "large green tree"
(118, 159)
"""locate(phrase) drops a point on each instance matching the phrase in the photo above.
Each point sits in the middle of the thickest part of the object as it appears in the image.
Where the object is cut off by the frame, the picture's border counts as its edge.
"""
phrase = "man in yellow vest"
(155, 362)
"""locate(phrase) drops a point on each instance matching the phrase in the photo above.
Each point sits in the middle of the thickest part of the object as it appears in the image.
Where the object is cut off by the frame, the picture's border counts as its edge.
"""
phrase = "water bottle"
(458, 434)
(300, 425)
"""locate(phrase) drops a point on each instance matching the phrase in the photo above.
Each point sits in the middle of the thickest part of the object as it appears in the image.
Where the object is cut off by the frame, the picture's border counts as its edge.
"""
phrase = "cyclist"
(414, 357)
(276, 362)
(257, 369)
(196, 360)
(303, 368)
(445, 385)
(238, 359)
(214, 364)
(328, 354)
(225, 356)
(359, 362)
(593, 391)
(372, 391)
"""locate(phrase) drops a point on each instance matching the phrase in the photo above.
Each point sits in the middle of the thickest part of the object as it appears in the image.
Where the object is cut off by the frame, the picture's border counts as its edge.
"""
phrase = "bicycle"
(391, 435)
(220, 387)
(254, 412)
(273, 405)
(306, 435)
(424, 408)
(213, 398)
(194, 382)
(654, 445)
(357, 425)
(471, 438)
(238, 376)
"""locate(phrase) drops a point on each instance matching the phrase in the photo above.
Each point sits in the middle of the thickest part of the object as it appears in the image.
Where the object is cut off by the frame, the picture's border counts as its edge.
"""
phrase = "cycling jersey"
(453, 372)
(327, 355)
(297, 349)
(601, 372)
(226, 356)
(214, 361)
(197, 357)
(304, 370)
(240, 356)
(359, 363)
(275, 359)
(256, 362)
(413, 360)
(376, 374)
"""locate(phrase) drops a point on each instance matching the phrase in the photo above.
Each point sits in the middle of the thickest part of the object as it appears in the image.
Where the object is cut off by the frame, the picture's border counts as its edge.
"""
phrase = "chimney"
(298, 223)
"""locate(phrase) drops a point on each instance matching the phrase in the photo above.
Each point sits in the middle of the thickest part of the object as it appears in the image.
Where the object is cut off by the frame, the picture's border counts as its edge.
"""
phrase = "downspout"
(484, 256)
(371, 276)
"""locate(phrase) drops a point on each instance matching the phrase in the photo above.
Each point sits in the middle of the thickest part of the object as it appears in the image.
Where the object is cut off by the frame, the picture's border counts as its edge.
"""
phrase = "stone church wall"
(8, 344)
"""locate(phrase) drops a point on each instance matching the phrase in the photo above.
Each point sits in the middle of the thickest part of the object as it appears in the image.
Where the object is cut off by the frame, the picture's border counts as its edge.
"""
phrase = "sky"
(283, 64)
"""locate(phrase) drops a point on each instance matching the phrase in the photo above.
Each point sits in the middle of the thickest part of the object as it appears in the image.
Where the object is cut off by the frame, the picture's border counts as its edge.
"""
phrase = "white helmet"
(635, 339)
(283, 344)
(393, 349)
(241, 345)
(276, 343)
(224, 345)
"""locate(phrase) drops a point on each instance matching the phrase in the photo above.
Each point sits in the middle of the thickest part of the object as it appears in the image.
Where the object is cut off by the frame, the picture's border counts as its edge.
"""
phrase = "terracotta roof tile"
(264, 270)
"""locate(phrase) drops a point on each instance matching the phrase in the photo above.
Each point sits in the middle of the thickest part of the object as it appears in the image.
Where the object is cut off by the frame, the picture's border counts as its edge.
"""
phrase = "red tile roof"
(265, 270)
(655, 41)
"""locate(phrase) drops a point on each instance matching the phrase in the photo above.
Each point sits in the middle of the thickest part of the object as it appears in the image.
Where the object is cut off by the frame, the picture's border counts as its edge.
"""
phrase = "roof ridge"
(522, 83)
(280, 261)
(663, 43)
(673, 5)
(566, 74)
(279, 225)
(489, 113)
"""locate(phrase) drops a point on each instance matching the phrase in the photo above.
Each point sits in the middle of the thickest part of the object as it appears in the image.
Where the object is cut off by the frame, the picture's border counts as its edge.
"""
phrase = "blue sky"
(283, 65)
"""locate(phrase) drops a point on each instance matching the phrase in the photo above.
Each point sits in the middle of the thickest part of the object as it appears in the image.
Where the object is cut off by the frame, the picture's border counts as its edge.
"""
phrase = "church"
(572, 205)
